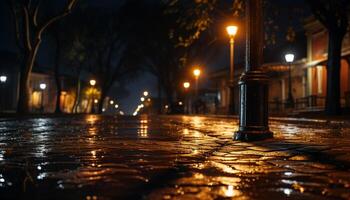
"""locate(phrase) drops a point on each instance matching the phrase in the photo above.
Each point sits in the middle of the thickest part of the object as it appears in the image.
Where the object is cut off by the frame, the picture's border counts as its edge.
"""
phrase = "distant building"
(308, 74)
(41, 99)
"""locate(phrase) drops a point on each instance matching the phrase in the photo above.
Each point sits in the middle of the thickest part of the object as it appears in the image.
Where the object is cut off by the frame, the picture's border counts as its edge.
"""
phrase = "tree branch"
(66, 11)
(26, 30)
(16, 23)
(35, 15)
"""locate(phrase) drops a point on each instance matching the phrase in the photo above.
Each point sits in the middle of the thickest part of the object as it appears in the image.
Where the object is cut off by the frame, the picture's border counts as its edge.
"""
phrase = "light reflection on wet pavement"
(170, 157)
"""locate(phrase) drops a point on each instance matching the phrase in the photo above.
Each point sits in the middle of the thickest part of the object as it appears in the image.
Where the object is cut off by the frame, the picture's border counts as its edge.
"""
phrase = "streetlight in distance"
(92, 82)
(3, 79)
(290, 59)
(232, 31)
(145, 93)
(186, 86)
(42, 87)
(111, 102)
(116, 106)
(196, 73)
(142, 99)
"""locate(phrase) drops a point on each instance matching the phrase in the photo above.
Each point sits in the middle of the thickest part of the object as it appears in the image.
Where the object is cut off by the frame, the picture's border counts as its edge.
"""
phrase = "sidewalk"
(170, 157)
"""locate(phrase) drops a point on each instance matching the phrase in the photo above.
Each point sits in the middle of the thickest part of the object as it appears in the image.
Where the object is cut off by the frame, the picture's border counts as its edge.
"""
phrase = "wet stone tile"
(169, 157)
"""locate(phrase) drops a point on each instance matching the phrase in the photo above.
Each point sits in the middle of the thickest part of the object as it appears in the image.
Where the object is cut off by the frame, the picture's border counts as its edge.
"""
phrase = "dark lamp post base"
(252, 135)
(253, 115)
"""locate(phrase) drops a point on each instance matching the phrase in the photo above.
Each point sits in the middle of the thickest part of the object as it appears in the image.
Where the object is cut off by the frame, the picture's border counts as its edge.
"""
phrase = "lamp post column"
(290, 100)
(232, 76)
(253, 84)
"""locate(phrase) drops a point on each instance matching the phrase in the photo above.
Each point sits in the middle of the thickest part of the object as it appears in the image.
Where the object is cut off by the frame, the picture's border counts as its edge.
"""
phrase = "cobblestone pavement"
(163, 157)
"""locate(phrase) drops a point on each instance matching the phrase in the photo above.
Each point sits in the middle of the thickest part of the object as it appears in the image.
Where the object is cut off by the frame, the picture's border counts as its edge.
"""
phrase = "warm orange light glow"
(187, 85)
(232, 30)
(92, 82)
(196, 72)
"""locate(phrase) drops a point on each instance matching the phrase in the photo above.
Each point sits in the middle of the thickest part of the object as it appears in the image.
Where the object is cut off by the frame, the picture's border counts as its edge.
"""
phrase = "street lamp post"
(290, 100)
(253, 84)
(196, 73)
(92, 84)
(42, 87)
(3, 80)
(232, 30)
(186, 87)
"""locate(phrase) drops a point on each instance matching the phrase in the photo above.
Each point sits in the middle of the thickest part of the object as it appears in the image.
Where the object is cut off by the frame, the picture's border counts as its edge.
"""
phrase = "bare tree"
(29, 31)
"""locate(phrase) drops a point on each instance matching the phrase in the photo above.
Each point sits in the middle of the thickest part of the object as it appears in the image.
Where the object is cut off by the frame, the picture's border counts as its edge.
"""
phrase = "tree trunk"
(160, 105)
(100, 104)
(24, 96)
(333, 73)
(77, 95)
(57, 77)
(23, 106)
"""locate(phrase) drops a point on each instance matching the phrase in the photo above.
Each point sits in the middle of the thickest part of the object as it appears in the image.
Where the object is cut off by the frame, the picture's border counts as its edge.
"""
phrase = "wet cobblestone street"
(170, 157)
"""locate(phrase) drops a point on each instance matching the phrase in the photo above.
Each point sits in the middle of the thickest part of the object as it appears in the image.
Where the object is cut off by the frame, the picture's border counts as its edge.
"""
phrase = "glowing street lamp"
(145, 93)
(290, 59)
(96, 101)
(42, 86)
(186, 85)
(3, 79)
(92, 82)
(111, 102)
(196, 73)
(116, 106)
(142, 99)
(232, 31)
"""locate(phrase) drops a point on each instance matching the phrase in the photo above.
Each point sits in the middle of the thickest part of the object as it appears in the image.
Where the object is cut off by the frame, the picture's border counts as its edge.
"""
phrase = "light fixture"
(186, 85)
(3, 79)
(289, 57)
(196, 72)
(231, 30)
(92, 82)
(42, 86)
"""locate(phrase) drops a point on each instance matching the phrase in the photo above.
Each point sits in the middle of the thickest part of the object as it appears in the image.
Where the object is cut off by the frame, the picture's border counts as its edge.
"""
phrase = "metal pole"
(253, 84)
(2, 96)
(42, 101)
(290, 95)
(196, 91)
(232, 75)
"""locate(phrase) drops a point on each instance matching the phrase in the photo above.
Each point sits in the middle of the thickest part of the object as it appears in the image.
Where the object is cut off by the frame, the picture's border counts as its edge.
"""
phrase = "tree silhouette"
(30, 25)
(333, 15)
